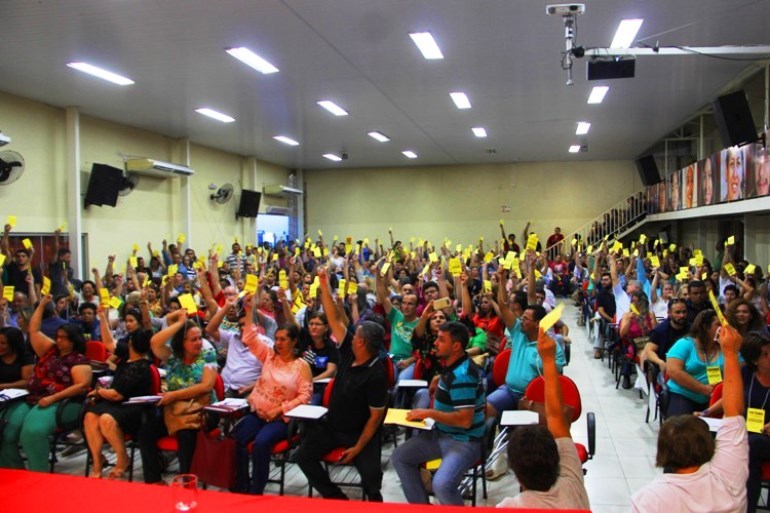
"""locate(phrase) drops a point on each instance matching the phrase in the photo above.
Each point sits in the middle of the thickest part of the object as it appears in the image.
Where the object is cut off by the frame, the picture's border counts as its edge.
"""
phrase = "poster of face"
(708, 191)
(689, 186)
(661, 196)
(732, 174)
(757, 171)
(674, 190)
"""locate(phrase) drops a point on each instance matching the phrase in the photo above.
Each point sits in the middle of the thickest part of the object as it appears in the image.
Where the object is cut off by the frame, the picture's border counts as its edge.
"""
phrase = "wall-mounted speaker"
(648, 170)
(734, 121)
(103, 185)
(249, 204)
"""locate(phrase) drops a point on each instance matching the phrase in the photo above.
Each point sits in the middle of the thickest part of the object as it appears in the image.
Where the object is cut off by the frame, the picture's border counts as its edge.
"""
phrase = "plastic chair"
(96, 351)
(500, 367)
(570, 397)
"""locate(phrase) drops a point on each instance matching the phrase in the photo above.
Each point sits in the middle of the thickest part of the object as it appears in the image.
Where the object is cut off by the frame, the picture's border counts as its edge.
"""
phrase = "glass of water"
(184, 490)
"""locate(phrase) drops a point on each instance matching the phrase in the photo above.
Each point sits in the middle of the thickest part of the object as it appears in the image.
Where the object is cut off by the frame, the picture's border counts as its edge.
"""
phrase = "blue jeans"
(264, 435)
(504, 399)
(456, 457)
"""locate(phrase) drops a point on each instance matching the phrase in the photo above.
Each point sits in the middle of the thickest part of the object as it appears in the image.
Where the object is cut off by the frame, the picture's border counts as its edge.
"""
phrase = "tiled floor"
(625, 444)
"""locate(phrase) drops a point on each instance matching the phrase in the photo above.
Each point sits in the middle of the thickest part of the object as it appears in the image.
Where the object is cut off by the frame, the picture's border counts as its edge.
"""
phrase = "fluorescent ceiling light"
(427, 45)
(479, 131)
(409, 154)
(379, 136)
(253, 60)
(332, 156)
(597, 94)
(213, 114)
(582, 128)
(461, 100)
(100, 73)
(333, 108)
(286, 140)
(626, 33)
(575, 148)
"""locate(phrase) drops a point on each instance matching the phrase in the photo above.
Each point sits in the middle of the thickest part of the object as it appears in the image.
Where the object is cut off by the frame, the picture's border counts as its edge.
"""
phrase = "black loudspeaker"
(600, 69)
(103, 185)
(734, 120)
(249, 204)
(648, 170)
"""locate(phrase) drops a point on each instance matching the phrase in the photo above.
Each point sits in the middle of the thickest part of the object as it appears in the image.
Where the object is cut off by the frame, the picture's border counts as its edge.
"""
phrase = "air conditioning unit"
(280, 190)
(4, 139)
(157, 168)
(278, 211)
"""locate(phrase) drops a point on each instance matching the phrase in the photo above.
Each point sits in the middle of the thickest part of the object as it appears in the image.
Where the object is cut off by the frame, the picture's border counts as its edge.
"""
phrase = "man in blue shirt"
(459, 424)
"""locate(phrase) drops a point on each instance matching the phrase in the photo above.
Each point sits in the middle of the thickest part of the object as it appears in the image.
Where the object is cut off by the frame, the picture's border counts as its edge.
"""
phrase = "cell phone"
(440, 304)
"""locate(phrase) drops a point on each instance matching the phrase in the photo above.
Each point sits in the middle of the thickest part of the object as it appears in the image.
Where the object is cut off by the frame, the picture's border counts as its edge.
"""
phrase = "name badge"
(714, 375)
(755, 420)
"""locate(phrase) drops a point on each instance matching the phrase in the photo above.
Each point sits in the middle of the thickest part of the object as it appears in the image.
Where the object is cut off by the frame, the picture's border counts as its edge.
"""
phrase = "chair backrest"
(96, 351)
(328, 393)
(390, 371)
(716, 394)
(500, 367)
(570, 394)
(219, 388)
(155, 375)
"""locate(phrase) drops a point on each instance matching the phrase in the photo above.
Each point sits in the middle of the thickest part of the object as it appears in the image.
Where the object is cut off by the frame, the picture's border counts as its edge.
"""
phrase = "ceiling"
(505, 54)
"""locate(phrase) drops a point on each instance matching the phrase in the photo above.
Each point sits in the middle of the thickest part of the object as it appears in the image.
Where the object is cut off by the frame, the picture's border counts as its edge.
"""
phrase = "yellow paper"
(252, 281)
(692, 262)
(11, 221)
(755, 420)
(618, 246)
(532, 241)
(703, 276)
(501, 222)
(341, 287)
(136, 247)
(626, 253)
(320, 233)
(672, 247)
(8, 293)
(433, 257)
(590, 249)
(275, 257)
(297, 251)
(352, 288)
(283, 283)
(538, 274)
(656, 244)
(46, 288)
(384, 270)
(317, 252)
(181, 238)
(655, 261)
(642, 238)
(219, 249)
(634, 310)
(425, 270)
(573, 242)
(104, 295)
(155, 253)
(551, 317)
(133, 261)
(27, 243)
(487, 286)
(2, 259)
(750, 269)
(715, 306)
(313, 291)
(397, 416)
(714, 375)
(489, 257)
(455, 267)
(730, 240)
(188, 303)
(366, 241)
(730, 269)
(172, 269)
(115, 303)
(325, 253)
(698, 260)
(220, 264)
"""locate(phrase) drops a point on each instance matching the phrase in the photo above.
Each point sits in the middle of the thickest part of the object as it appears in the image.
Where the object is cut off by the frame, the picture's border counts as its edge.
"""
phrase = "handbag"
(214, 459)
(185, 413)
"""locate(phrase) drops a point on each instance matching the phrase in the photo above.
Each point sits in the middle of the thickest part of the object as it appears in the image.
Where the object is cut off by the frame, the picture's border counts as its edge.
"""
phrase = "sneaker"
(597, 354)
(498, 468)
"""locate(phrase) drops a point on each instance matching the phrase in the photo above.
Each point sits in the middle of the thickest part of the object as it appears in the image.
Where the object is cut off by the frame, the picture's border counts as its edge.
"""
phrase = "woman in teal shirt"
(694, 364)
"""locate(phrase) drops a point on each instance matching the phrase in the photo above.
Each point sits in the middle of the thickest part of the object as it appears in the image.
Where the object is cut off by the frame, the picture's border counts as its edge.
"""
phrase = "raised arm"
(176, 320)
(732, 392)
(104, 327)
(506, 314)
(554, 415)
(41, 344)
(337, 326)
(5, 246)
(382, 293)
(531, 261)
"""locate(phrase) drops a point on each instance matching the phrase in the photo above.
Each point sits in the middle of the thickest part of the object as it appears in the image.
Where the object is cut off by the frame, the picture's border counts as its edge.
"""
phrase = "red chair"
(570, 397)
(95, 351)
(500, 367)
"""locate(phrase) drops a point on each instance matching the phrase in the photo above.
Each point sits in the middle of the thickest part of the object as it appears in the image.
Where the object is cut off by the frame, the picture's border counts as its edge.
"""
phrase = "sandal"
(117, 472)
(95, 474)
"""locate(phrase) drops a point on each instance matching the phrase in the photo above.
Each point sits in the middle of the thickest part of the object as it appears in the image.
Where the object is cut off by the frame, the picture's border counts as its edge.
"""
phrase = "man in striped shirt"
(458, 413)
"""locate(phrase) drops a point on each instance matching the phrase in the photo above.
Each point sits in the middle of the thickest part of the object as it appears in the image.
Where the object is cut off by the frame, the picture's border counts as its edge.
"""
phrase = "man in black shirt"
(17, 270)
(356, 407)
(666, 334)
(697, 300)
(605, 307)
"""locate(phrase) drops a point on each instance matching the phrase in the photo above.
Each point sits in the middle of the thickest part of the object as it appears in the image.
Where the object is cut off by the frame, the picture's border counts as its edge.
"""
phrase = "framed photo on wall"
(757, 171)
(708, 181)
(690, 186)
(732, 174)
(674, 190)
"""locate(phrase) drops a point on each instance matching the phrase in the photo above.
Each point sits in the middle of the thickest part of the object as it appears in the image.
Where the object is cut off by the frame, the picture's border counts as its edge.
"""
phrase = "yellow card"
(684, 270)
(27, 243)
(730, 269)
(551, 317)
(147, 282)
(697, 252)
(320, 233)
(750, 269)
(656, 244)
(275, 257)
(459, 248)
(352, 287)
(489, 257)
(164, 280)
(672, 247)
(46, 288)
(2, 259)
(703, 276)
(251, 283)
(335, 238)
(642, 238)
(366, 241)
(655, 261)
(634, 310)
(155, 253)
(692, 262)
(714, 375)
(136, 247)
(755, 420)
(133, 261)
(699, 260)
(11, 221)
(341, 287)
(626, 253)
(715, 306)
(197, 264)
(573, 242)
(115, 302)
(317, 252)
(172, 269)
(532, 241)
(8, 293)
(730, 241)
(219, 248)
(487, 286)
(682, 276)
(384, 270)
(325, 252)
(220, 264)
(425, 270)
(617, 246)
(590, 248)
(104, 295)
(313, 290)
(501, 222)
(283, 283)
(188, 303)
(455, 267)
(433, 258)
(297, 251)
(181, 238)
(538, 274)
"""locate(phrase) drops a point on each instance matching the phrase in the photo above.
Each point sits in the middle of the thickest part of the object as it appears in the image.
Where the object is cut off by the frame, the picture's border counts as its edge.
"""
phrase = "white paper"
(13, 393)
(519, 418)
(412, 383)
(143, 399)
(714, 424)
(307, 411)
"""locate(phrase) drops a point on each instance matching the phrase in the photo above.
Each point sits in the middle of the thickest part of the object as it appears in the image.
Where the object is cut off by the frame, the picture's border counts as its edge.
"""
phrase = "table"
(33, 492)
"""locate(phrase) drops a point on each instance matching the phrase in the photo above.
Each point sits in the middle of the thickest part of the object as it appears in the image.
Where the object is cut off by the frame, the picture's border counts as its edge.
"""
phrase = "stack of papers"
(143, 399)
(12, 393)
(231, 404)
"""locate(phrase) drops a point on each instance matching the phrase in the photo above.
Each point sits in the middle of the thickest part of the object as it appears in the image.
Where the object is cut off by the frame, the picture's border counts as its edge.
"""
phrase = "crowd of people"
(273, 323)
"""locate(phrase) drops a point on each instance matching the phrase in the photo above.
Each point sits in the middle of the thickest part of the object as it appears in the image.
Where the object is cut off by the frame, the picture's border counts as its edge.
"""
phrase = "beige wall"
(464, 202)
(152, 212)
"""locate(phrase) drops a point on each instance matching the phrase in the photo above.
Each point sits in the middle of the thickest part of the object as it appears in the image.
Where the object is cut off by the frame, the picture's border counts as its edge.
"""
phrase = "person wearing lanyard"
(756, 385)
